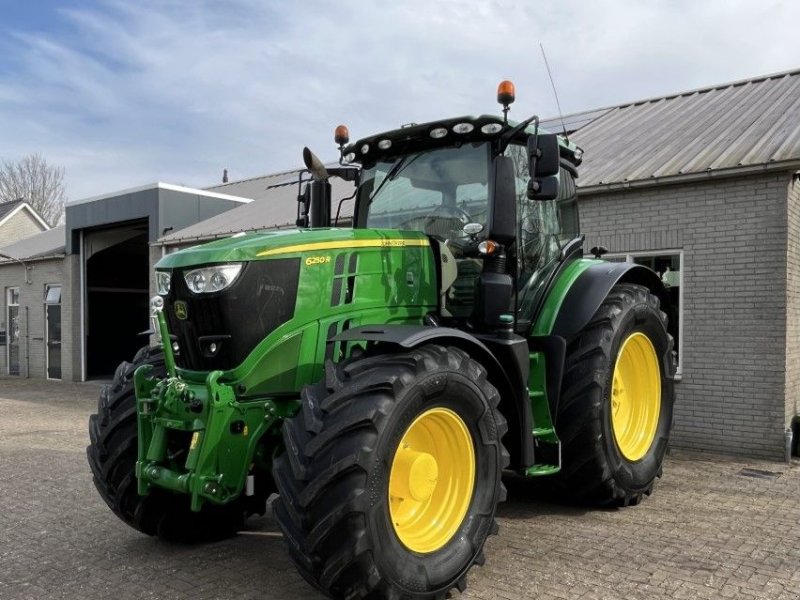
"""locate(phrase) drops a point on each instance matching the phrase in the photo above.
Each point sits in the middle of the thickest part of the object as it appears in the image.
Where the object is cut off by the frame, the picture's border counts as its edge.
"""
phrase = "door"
(12, 318)
(52, 309)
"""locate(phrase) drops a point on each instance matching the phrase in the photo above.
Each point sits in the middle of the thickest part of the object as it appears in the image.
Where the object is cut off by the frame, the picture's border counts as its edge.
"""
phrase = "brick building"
(31, 334)
(19, 220)
(702, 186)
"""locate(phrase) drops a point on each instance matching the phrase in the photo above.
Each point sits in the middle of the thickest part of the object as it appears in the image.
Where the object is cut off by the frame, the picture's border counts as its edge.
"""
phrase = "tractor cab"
(466, 183)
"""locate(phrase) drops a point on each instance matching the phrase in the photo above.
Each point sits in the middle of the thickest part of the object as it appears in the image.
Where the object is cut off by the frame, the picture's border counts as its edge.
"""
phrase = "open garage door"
(117, 293)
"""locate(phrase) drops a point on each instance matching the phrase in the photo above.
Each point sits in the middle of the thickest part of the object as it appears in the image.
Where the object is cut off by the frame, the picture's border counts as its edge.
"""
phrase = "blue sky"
(124, 93)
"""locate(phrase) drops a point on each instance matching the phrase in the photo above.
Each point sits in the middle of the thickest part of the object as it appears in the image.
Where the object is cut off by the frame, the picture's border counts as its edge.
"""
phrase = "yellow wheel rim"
(635, 396)
(431, 480)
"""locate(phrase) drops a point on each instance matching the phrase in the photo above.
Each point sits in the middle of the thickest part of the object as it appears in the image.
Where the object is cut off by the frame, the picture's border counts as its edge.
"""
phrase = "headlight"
(162, 282)
(212, 279)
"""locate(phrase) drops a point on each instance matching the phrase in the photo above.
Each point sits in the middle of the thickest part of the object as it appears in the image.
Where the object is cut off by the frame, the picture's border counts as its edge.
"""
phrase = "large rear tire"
(615, 412)
(112, 454)
(392, 474)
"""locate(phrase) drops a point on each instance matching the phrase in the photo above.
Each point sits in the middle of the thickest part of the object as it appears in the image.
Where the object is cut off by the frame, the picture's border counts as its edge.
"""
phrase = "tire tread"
(323, 486)
(586, 476)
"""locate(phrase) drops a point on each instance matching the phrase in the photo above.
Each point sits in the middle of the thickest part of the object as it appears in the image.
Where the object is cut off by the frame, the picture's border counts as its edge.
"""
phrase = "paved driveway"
(714, 528)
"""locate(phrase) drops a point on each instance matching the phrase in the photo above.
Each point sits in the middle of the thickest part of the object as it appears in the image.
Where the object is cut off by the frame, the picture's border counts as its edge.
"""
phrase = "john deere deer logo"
(181, 310)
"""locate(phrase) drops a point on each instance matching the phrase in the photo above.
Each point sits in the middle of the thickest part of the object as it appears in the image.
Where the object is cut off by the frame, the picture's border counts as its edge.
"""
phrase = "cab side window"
(543, 226)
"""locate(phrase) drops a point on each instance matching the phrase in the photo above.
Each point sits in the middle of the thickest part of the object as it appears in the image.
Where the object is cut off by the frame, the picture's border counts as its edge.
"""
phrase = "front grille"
(236, 319)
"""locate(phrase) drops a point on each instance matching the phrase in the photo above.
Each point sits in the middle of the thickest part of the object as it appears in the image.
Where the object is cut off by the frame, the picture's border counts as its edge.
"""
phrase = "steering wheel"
(447, 223)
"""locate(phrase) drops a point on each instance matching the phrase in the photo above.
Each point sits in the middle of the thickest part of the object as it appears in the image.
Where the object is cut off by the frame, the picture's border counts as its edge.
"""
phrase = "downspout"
(82, 277)
(793, 430)
(27, 345)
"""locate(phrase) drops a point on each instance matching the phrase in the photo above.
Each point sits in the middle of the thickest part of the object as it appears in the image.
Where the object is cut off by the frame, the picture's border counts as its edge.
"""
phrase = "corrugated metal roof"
(274, 206)
(749, 123)
(39, 245)
(256, 187)
(572, 122)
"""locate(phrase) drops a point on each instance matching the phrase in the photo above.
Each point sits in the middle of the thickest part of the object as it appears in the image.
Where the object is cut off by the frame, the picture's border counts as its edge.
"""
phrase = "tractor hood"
(262, 246)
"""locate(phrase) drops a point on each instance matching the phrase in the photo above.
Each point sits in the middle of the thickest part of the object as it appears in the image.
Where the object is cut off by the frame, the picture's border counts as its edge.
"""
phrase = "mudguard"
(593, 285)
(506, 360)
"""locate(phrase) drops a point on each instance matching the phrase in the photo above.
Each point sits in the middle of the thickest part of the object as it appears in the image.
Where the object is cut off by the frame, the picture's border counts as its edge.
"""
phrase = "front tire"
(383, 450)
(615, 413)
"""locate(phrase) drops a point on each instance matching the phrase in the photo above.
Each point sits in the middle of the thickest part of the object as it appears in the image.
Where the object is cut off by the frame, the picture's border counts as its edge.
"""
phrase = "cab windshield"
(439, 191)
(436, 191)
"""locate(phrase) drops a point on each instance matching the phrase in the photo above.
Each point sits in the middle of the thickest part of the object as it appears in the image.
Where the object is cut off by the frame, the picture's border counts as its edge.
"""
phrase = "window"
(669, 266)
(52, 294)
(435, 191)
(52, 313)
(12, 335)
(544, 227)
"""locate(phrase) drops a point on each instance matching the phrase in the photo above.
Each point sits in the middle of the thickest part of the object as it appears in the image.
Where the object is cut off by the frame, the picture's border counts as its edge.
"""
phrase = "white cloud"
(135, 92)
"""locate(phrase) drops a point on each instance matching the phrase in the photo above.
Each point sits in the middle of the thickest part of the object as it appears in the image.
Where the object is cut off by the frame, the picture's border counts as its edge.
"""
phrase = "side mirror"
(502, 221)
(545, 188)
(543, 155)
(543, 165)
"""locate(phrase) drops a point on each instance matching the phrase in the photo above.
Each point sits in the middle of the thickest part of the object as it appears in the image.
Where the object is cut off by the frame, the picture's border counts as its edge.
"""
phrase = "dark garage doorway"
(117, 293)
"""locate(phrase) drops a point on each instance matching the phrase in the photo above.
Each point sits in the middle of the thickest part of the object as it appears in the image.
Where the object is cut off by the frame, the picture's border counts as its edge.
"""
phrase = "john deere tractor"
(382, 377)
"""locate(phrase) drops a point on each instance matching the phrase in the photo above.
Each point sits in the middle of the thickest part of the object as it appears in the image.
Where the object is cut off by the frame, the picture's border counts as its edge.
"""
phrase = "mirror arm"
(506, 138)
(535, 157)
(345, 173)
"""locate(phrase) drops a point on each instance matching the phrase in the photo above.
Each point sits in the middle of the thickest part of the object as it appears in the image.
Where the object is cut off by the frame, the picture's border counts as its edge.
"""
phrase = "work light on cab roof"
(341, 135)
(506, 94)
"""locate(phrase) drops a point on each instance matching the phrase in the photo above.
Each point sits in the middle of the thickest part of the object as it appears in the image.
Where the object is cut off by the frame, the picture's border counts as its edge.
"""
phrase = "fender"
(506, 360)
(593, 285)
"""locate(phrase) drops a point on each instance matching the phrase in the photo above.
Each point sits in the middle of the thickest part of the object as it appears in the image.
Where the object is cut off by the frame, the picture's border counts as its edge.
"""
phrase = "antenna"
(555, 93)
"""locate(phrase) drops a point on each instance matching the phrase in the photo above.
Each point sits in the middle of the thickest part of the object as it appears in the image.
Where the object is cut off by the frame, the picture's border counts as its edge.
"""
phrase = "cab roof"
(453, 132)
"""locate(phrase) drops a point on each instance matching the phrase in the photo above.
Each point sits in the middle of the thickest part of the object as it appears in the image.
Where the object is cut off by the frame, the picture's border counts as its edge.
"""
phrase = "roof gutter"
(215, 236)
(6, 259)
(739, 171)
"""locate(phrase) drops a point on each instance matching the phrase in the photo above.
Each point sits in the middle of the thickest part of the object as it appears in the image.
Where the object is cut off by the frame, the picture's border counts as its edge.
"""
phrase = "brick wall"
(732, 397)
(19, 226)
(32, 330)
(792, 407)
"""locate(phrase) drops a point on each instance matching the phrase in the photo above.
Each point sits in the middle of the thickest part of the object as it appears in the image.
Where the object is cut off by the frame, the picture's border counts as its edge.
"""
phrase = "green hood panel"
(260, 246)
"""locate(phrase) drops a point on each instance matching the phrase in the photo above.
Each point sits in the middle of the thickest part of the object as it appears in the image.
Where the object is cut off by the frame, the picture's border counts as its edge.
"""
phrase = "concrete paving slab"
(714, 528)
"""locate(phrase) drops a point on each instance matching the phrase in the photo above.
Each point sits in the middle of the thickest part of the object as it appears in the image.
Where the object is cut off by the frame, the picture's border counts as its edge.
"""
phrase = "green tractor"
(382, 377)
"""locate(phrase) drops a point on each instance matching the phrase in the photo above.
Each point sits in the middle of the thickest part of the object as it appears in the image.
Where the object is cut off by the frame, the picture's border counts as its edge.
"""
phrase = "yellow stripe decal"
(379, 243)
